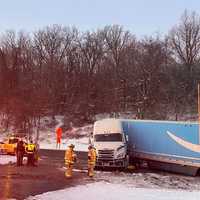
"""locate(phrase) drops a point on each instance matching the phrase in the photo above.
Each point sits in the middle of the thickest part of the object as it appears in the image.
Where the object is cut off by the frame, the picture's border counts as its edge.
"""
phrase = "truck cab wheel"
(126, 162)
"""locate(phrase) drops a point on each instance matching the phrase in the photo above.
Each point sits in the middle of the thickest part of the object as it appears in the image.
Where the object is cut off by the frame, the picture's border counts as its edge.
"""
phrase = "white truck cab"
(110, 143)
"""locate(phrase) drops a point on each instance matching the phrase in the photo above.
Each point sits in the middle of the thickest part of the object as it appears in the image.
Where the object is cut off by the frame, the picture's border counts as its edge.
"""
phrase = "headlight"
(120, 152)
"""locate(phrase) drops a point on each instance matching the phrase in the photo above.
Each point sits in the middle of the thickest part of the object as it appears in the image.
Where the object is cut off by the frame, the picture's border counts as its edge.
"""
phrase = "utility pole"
(199, 110)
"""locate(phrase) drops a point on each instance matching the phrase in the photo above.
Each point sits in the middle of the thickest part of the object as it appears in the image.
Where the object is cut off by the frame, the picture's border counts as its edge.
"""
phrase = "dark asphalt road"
(21, 182)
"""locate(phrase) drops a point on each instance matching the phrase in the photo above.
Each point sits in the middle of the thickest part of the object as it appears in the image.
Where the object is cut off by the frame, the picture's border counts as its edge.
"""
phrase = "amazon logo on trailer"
(184, 143)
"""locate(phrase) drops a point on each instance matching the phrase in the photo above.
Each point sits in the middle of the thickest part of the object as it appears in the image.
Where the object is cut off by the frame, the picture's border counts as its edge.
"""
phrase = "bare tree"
(16, 67)
(185, 40)
(117, 39)
(52, 46)
(151, 76)
(91, 51)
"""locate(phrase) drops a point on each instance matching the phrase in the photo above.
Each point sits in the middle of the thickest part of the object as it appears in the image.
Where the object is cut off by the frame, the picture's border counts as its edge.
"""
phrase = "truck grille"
(106, 154)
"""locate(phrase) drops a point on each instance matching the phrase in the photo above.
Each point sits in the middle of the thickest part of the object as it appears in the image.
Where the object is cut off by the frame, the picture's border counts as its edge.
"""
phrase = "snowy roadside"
(48, 137)
(81, 144)
(109, 191)
(145, 179)
(6, 159)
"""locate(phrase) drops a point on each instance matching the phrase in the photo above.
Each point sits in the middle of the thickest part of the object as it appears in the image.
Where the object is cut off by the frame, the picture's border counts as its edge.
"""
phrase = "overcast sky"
(142, 17)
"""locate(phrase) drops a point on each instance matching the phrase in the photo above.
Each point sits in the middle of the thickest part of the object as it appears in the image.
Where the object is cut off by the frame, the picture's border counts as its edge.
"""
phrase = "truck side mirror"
(126, 137)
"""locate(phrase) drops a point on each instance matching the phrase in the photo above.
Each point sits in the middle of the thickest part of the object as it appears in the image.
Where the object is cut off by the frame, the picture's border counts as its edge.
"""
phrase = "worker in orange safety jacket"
(91, 160)
(70, 158)
(58, 137)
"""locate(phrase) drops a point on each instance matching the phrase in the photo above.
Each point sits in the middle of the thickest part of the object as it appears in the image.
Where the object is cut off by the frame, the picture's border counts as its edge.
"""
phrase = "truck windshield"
(114, 137)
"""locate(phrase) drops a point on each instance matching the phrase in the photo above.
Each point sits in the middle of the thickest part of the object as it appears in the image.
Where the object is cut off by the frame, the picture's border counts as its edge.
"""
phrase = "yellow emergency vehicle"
(2, 148)
(10, 145)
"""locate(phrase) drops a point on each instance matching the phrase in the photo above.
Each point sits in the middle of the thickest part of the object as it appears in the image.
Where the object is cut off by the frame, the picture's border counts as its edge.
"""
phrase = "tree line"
(60, 70)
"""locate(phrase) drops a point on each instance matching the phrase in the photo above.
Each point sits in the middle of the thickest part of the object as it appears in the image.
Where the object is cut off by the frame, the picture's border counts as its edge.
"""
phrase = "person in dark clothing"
(20, 150)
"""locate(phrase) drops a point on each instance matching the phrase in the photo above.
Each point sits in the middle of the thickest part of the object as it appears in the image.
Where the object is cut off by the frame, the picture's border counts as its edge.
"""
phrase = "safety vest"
(92, 156)
(70, 156)
(30, 148)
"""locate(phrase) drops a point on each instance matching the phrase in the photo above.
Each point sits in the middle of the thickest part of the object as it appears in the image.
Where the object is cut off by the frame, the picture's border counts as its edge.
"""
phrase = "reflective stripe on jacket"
(92, 156)
(70, 156)
(30, 148)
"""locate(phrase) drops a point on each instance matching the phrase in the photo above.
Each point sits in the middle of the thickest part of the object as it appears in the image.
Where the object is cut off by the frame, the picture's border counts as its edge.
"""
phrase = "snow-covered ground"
(110, 191)
(48, 137)
(112, 185)
(81, 144)
(146, 179)
(6, 159)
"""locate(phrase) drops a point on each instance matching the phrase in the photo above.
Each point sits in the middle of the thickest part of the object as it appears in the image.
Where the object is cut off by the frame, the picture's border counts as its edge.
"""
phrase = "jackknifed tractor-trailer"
(165, 145)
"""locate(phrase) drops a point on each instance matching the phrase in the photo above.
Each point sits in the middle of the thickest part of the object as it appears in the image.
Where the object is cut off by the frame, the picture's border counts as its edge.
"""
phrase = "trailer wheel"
(198, 172)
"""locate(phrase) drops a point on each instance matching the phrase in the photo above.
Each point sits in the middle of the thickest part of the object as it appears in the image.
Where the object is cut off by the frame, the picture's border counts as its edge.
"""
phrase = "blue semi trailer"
(166, 145)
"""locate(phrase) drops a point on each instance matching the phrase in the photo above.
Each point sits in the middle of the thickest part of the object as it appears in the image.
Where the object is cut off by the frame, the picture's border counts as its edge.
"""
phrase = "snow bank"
(48, 137)
(5, 159)
(81, 144)
(110, 191)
